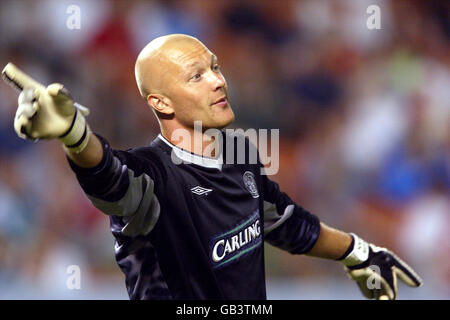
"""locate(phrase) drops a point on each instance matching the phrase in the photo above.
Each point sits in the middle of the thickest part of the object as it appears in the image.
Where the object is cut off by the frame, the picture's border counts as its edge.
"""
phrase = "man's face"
(196, 87)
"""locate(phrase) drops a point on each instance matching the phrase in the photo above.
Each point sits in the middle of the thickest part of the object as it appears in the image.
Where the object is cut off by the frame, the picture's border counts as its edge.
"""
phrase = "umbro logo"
(200, 190)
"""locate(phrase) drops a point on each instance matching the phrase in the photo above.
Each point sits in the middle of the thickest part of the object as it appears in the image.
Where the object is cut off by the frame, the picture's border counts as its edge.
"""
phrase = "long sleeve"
(286, 224)
(121, 185)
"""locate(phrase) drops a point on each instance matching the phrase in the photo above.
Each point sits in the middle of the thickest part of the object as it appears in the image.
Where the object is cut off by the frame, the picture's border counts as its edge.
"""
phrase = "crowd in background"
(364, 120)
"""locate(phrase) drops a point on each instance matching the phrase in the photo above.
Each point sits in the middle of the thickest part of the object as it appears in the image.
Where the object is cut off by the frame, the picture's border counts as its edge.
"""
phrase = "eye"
(197, 76)
(216, 67)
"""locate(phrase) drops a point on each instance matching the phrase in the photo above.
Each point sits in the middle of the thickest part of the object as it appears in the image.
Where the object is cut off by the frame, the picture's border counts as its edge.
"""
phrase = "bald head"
(181, 80)
(156, 61)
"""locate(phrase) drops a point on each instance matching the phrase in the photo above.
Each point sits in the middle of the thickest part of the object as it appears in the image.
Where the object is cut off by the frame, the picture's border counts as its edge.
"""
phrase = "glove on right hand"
(49, 114)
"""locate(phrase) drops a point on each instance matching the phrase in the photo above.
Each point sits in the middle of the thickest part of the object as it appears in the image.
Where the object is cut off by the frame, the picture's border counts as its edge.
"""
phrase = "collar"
(189, 157)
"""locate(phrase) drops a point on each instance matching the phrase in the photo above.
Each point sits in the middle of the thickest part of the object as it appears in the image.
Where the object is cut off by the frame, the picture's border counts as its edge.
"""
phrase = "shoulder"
(144, 151)
(148, 159)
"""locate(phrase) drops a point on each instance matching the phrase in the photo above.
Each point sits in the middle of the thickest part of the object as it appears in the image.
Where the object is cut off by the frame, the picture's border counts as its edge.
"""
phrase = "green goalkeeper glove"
(375, 270)
(47, 113)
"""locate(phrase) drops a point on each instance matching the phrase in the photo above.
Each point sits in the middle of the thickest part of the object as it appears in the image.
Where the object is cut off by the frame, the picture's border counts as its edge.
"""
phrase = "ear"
(160, 103)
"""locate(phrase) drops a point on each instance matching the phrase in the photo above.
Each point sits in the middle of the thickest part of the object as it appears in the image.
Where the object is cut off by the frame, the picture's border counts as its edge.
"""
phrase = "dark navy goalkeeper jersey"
(195, 229)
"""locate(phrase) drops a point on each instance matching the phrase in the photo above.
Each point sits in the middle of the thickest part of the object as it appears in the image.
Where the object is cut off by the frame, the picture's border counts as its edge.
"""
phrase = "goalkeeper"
(196, 229)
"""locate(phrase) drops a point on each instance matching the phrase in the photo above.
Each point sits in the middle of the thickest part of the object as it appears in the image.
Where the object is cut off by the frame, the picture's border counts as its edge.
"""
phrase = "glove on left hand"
(376, 269)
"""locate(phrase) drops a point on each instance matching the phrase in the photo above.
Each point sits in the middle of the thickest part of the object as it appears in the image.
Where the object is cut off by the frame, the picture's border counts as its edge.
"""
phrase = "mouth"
(220, 102)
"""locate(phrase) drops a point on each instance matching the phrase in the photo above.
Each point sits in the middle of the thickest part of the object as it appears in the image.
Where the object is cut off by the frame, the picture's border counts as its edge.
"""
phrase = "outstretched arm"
(291, 228)
(115, 182)
(90, 156)
(331, 244)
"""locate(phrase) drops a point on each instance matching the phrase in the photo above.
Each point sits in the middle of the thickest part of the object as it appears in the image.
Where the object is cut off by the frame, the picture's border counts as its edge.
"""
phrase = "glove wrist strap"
(358, 254)
(77, 136)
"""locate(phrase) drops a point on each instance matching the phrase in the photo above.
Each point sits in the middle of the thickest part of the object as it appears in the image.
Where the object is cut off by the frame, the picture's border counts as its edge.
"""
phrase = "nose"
(217, 80)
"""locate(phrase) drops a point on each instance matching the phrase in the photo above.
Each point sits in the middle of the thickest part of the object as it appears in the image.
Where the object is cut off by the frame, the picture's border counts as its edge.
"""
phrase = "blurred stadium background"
(363, 116)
